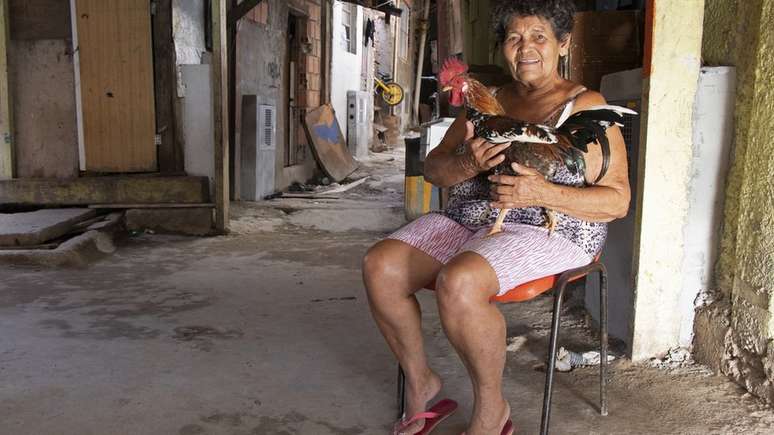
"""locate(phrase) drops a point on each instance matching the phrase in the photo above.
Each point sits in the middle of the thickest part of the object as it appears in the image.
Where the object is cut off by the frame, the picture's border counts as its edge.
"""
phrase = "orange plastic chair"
(530, 290)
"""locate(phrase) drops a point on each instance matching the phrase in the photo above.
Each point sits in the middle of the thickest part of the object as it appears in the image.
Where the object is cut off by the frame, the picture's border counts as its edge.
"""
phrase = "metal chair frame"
(558, 288)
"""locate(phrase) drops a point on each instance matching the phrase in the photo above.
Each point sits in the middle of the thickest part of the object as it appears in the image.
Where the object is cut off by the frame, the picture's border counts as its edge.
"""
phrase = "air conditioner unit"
(358, 123)
(267, 127)
(258, 142)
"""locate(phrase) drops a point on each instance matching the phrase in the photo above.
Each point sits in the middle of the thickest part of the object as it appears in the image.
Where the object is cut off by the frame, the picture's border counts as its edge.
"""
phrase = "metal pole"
(603, 339)
(424, 24)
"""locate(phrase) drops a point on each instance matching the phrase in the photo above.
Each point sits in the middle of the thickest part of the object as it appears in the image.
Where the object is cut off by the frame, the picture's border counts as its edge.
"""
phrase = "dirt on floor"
(267, 331)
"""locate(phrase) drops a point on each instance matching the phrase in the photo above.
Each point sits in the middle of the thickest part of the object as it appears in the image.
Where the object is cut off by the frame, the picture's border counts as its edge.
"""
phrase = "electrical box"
(358, 125)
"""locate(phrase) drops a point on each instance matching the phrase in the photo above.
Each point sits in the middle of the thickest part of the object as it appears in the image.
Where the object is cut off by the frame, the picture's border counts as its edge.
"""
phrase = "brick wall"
(310, 63)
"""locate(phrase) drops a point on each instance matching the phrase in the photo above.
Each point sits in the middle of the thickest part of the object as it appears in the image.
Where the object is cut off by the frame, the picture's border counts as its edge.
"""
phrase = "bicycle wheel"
(393, 95)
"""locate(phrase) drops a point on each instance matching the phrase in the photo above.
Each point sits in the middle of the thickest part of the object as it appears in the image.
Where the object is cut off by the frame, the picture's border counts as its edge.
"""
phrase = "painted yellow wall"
(738, 32)
(668, 98)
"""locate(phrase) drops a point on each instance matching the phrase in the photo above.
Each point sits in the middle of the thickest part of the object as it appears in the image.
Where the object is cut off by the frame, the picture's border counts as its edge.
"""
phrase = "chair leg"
(602, 340)
(544, 420)
(401, 392)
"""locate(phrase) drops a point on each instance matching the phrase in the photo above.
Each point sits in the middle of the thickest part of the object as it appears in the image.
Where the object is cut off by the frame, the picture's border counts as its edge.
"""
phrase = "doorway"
(295, 69)
(117, 124)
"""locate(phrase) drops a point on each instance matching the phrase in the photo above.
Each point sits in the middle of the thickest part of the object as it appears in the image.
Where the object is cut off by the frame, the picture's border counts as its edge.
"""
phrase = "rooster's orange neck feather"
(479, 97)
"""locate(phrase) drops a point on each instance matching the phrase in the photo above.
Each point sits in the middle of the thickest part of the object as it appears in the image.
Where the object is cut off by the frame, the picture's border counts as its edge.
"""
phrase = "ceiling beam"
(241, 10)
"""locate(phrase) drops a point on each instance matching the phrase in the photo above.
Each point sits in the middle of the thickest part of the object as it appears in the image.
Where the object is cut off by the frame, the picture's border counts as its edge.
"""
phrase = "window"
(349, 32)
(405, 30)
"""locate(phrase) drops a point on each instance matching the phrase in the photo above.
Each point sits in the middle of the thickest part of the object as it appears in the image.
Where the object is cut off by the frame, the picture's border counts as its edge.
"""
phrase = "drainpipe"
(396, 49)
(421, 59)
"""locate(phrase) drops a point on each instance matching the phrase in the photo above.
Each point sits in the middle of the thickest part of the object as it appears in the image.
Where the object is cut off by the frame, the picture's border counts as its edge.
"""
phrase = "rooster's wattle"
(536, 146)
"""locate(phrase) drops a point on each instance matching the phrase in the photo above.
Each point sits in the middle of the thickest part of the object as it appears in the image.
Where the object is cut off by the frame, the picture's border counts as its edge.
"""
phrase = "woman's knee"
(458, 287)
(382, 264)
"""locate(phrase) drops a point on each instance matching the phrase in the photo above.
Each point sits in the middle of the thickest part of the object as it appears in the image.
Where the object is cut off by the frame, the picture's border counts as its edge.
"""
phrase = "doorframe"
(78, 94)
(292, 83)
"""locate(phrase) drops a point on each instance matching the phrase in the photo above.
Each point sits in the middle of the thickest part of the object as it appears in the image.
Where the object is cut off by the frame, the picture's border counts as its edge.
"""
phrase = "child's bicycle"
(392, 93)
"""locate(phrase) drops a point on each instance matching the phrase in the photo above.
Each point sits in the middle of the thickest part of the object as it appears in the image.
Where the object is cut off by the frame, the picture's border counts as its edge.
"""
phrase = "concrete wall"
(188, 29)
(197, 121)
(346, 67)
(734, 332)
(42, 84)
(261, 71)
(194, 88)
(42, 80)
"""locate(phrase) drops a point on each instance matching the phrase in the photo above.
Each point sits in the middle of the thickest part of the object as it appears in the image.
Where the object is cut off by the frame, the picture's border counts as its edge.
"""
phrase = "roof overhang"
(388, 7)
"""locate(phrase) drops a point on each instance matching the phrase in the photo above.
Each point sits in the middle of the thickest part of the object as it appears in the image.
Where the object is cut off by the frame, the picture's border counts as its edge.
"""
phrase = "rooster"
(536, 146)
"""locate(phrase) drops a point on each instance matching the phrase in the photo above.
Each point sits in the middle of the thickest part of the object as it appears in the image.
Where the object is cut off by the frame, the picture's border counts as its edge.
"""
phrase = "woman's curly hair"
(558, 12)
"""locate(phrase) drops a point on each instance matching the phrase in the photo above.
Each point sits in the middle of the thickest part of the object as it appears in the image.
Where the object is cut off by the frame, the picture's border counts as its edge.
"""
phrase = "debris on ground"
(676, 358)
(567, 360)
(516, 343)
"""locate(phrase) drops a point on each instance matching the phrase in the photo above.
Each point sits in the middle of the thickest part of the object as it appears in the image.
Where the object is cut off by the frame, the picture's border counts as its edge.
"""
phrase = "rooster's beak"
(447, 89)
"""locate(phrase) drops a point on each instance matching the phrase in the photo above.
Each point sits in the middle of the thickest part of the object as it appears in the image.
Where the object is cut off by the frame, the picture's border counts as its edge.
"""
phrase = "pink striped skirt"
(519, 254)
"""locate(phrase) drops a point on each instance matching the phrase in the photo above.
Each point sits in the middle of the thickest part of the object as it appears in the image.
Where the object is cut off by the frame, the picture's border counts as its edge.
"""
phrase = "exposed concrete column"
(672, 66)
(6, 107)
(220, 110)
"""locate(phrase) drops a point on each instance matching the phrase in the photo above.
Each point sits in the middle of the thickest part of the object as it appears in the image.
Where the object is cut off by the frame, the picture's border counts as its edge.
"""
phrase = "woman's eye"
(513, 39)
(540, 38)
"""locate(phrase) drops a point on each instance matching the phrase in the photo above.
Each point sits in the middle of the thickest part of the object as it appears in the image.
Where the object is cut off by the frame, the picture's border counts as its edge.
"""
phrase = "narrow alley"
(267, 331)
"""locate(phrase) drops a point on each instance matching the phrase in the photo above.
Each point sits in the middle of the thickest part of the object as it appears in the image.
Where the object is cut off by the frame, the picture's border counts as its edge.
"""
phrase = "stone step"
(38, 227)
(105, 190)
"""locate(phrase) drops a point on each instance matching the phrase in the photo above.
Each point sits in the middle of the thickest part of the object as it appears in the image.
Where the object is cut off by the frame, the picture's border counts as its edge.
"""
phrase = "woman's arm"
(602, 202)
(444, 167)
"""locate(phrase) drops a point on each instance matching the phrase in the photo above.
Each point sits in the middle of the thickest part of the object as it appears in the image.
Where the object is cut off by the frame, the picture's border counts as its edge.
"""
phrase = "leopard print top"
(469, 205)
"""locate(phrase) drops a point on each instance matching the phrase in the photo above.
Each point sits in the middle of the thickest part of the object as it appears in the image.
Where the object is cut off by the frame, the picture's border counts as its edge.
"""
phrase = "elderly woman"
(452, 248)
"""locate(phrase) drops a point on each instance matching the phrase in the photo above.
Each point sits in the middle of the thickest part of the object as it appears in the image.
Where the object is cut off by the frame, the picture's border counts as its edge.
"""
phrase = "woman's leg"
(476, 329)
(393, 271)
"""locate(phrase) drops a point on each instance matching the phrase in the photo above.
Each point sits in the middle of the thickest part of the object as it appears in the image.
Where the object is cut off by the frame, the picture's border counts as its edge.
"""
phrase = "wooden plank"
(116, 65)
(220, 112)
(105, 190)
(170, 151)
(199, 205)
(328, 144)
(39, 19)
(6, 113)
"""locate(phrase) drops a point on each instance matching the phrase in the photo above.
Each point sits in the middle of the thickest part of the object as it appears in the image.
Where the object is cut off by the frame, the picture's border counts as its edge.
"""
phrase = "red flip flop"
(507, 428)
(433, 417)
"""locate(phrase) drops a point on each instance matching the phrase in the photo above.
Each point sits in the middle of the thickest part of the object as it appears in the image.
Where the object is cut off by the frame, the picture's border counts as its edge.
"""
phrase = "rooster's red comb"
(452, 68)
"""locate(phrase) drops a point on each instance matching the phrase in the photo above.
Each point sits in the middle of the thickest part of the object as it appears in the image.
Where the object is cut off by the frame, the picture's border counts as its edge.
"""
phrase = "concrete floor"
(266, 331)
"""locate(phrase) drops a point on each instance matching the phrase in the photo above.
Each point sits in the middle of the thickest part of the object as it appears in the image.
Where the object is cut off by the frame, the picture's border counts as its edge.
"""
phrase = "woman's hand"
(528, 189)
(480, 155)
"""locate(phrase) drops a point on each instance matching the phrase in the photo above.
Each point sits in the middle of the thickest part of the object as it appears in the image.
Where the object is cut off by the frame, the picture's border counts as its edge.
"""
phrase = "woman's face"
(532, 50)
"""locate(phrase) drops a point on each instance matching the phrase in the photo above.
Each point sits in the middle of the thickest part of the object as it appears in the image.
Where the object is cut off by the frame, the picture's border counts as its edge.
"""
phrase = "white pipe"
(396, 49)
(421, 59)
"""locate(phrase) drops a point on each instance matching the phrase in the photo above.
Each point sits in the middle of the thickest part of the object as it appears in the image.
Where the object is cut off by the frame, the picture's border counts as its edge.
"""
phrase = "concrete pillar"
(672, 66)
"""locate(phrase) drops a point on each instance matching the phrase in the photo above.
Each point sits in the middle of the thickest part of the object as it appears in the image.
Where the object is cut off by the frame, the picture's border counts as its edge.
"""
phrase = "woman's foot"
(417, 396)
(489, 420)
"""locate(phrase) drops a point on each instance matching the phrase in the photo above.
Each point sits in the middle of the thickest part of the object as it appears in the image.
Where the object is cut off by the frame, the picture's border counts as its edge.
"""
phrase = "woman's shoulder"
(588, 98)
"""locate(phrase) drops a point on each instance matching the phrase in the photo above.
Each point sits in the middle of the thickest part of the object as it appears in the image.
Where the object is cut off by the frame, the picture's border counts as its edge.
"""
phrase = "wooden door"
(116, 81)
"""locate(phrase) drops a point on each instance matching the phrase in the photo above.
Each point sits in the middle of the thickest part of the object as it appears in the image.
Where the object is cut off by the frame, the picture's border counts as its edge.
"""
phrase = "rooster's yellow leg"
(550, 221)
(498, 225)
